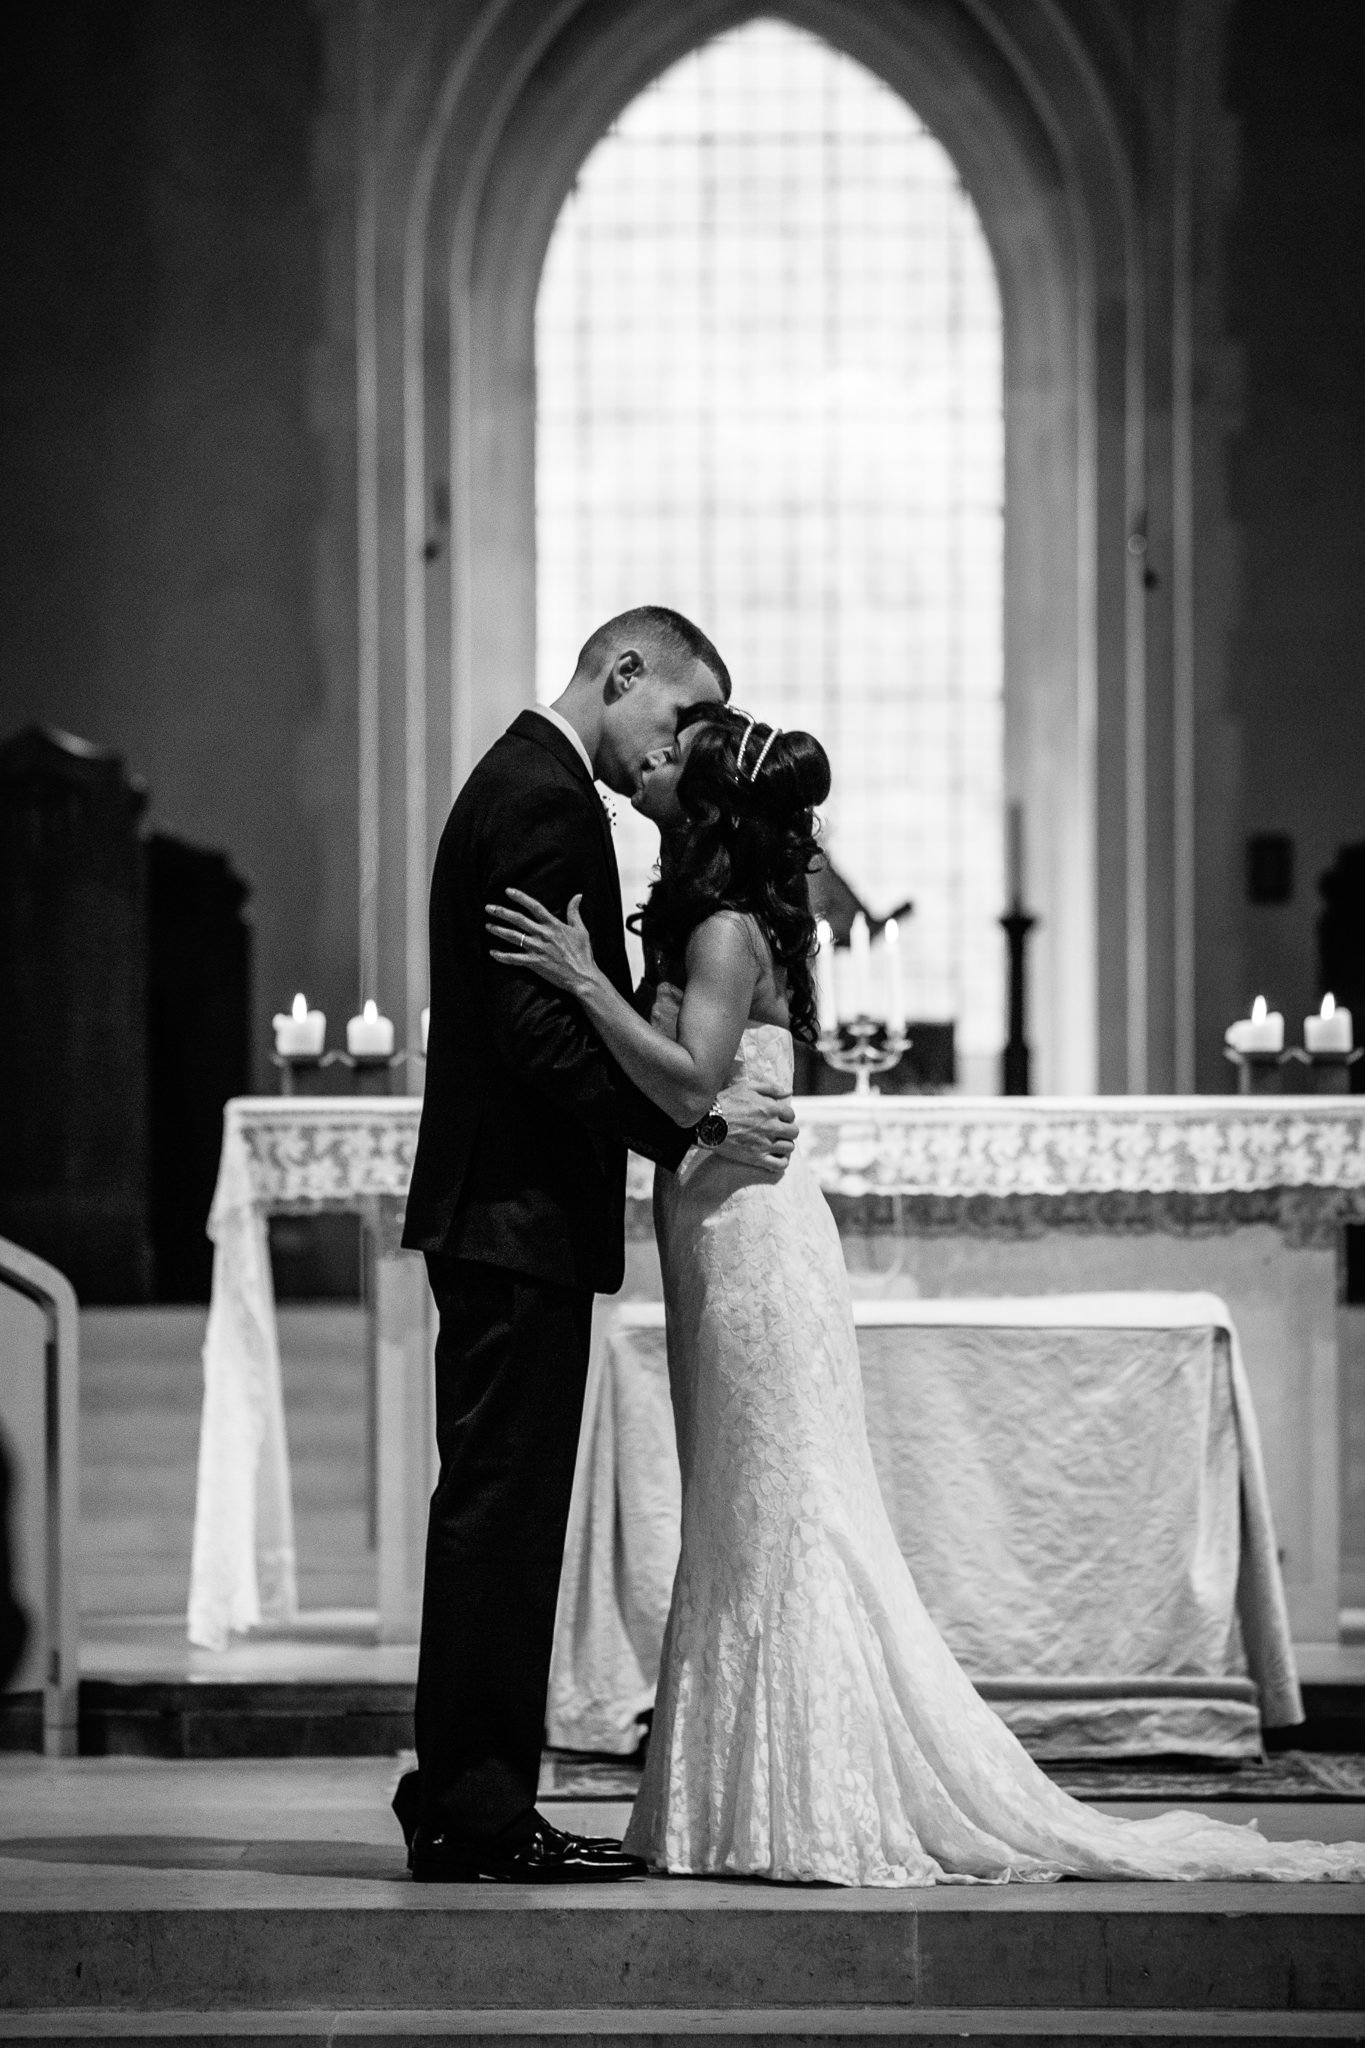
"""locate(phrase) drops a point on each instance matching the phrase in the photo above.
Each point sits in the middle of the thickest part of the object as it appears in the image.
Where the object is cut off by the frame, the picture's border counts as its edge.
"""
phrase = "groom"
(518, 1202)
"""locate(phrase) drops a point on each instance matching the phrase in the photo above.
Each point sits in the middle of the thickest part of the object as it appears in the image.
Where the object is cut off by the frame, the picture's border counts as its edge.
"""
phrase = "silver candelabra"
(862, 1046)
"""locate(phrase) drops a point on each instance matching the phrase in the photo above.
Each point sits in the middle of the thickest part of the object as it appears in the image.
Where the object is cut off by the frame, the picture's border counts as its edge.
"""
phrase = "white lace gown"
(811, 1723)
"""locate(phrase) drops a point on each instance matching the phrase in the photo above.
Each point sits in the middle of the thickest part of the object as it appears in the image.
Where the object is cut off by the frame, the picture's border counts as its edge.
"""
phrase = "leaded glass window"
(769, 393)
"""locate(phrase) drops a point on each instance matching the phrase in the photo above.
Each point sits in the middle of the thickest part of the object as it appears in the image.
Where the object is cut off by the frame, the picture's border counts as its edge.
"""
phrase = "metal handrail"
(55, 1296)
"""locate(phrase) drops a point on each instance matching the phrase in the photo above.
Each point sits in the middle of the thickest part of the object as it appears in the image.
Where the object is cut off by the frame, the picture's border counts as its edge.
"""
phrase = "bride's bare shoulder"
(732, 946)
(727, 943)
(735, 928)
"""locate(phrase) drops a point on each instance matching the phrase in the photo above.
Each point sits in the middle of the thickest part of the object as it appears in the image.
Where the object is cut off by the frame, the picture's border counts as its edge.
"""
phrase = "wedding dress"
(811, 1723)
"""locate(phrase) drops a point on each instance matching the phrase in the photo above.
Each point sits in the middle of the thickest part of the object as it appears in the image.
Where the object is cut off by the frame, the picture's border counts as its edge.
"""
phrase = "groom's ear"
(624, 672)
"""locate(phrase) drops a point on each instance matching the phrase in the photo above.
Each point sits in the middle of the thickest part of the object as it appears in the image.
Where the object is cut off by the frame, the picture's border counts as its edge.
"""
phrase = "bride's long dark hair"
(749, 844)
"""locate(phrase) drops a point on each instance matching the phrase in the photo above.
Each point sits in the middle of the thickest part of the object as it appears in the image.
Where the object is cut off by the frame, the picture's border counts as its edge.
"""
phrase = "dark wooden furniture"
(73, 1014)
(198, 1009)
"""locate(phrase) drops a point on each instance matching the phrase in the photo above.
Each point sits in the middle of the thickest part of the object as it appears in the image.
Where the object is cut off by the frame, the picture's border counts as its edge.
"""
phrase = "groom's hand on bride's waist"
(762, 1129)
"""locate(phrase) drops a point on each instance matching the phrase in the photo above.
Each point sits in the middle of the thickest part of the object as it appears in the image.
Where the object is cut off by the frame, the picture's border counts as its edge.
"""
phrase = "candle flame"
(1329, 1006)
(371, 1010)
(824, 933)
(1258, 1010)
(891, 932)
(300, 1009)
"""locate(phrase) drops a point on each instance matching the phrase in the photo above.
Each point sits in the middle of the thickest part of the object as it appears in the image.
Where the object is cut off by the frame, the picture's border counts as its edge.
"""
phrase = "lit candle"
(370, 1036)
(1262, 1031)
(826, 1000)
(860, 967)
(1330, 1030)
(301, 1034)
(895, 990)
(426, 1026)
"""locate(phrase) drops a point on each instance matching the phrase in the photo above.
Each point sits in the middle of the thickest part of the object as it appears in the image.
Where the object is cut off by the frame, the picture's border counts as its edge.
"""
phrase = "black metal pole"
(1014, 1076)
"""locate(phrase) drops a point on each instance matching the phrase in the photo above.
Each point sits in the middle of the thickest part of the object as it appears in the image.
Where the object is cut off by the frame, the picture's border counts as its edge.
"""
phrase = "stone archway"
(474, 137)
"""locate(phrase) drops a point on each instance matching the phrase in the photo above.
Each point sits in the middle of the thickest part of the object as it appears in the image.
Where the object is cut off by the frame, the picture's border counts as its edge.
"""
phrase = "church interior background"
(983, 375)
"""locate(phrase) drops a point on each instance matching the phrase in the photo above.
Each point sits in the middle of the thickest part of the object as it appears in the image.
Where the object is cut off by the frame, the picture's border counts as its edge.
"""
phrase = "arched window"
(770, 393)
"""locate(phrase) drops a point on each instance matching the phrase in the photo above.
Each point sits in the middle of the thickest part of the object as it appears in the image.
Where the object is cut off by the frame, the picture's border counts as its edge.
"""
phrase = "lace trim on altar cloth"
(1055, 1150)
(1016, 1169)
(1177, 1163)
(310, 1153)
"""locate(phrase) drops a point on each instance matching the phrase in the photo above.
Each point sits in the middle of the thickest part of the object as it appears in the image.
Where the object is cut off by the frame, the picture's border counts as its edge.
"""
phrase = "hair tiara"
(762, 752)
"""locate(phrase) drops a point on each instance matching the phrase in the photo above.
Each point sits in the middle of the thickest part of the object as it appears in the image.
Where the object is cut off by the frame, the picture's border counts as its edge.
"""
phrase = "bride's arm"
(683, 1077)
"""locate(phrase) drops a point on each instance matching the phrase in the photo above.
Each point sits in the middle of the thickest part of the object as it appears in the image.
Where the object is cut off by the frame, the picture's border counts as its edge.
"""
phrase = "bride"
(811, 1723)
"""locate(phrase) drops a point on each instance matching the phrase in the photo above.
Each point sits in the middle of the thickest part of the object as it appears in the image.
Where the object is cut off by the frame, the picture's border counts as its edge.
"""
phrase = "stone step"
(681, 1948)
(194, 1716)
(203, 1719)
(812, 2027)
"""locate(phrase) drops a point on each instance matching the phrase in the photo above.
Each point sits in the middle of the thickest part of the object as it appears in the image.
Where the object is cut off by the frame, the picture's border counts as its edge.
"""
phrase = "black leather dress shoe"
(406, 1804)
(549, 1857)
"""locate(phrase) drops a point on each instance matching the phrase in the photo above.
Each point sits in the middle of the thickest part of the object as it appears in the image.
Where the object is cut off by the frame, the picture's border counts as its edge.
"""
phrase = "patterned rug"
(1299, 1774)
(1292, 1774)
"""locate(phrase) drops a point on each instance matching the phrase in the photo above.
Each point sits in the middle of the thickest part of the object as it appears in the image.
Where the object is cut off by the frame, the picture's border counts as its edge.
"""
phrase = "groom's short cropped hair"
(662, 629)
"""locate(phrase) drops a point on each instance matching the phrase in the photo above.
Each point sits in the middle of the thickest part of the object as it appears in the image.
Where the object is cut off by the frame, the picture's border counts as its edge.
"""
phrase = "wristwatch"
(713, 1130)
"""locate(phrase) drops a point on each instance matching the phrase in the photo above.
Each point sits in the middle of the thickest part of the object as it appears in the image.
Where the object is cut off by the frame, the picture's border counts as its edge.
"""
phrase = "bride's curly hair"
(749, 844)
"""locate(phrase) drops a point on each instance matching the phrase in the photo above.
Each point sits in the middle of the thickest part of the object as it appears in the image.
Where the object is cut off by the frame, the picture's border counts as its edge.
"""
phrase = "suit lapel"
(529, 725)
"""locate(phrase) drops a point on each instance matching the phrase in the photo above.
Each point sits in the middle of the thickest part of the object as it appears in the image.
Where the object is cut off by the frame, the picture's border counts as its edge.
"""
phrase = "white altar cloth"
(1076, 1482)
(957, 1148)
(280, 1154)
(1191, 1159)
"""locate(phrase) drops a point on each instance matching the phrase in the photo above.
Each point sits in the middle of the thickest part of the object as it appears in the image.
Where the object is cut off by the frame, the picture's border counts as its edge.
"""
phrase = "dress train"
(811, 1723)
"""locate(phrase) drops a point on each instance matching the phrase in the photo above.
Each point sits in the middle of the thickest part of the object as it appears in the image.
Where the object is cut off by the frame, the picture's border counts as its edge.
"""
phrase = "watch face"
(713, 1129)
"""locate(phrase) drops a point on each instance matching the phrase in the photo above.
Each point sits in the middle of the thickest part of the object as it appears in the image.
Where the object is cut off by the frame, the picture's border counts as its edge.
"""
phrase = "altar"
(1075, 1481)
(935, 1197)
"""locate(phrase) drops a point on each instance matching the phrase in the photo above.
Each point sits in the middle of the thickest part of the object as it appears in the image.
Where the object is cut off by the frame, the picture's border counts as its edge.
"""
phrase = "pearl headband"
(763, 753)
(763, 750)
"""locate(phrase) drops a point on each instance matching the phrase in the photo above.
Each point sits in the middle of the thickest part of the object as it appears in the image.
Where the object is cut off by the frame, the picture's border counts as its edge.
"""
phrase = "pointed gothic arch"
(470, 139)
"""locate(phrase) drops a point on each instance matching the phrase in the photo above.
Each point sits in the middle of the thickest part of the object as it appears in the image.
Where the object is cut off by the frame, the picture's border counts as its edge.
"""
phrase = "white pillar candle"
(860, 967)
(1262, 1031)
(826, 999)
(426, 1026)
(370, 1036)
(895, 987)
(302, 1034)
(1330, 1030)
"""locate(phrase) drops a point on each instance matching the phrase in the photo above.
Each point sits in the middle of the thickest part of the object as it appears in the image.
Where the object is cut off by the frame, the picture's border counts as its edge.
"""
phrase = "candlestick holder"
(1328, 1073)
(1014, 1061)
(369, 1070)
(1258, 1073)
(863, 1047)
(300, 1072)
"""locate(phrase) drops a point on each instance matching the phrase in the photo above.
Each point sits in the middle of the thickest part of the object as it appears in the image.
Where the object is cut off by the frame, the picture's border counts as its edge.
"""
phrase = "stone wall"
(161, 476)
(177, 465)
(1283, 589)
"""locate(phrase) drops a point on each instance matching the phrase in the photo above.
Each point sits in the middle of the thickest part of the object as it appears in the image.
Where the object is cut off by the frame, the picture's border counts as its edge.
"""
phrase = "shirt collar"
(570, 733)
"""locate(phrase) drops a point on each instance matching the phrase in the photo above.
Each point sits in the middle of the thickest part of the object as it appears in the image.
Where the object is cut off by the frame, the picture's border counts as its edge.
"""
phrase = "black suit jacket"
(521, 1155)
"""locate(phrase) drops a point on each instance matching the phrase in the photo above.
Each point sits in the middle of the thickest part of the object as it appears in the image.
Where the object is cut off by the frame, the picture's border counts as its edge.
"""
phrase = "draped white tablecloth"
(1150, 1144)
(1118, 1161)
(988, 1158)
(281, 1154)
(1076, 1482)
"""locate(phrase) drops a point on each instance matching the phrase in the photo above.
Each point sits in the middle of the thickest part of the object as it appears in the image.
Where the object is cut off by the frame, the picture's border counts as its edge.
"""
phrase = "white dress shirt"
(570, 733)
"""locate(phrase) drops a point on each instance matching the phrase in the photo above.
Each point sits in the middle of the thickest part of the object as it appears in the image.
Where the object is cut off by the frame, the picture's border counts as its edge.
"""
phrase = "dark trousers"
(511, 1368)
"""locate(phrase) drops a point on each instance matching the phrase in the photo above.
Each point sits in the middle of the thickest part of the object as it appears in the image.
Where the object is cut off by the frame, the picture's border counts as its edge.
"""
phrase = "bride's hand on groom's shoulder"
(762, 1131)
(524, 934)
